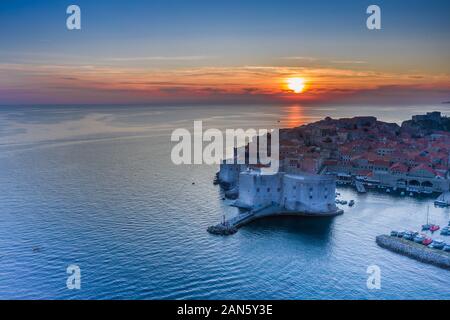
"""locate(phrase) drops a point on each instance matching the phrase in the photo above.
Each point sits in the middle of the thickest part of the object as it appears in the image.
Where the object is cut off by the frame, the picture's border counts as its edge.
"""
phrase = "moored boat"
(427, 241)
(419, 238)
(408, 235)
(437, 244)
(441, 201)
(434, 227)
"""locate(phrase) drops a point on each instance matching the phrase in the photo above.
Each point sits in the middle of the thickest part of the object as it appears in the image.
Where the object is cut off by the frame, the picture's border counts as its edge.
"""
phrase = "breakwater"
(231, 226)
(415, 251)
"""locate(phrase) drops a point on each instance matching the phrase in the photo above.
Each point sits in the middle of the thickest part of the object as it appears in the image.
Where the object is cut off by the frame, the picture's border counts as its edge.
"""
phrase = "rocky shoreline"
(415, 251)
(222, 230)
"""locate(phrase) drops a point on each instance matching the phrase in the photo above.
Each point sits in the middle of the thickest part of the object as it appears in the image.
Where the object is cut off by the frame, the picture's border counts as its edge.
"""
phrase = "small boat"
(434, 228)
(401, 234)
(351, 203)
(445, 231)
(427, 241)
(441, 201)
(437, 244)
(411, 194)
(402, 193)
(419, 238)
(344, 202)
(427, 226)
(394, 233)
(408, 236)
(446, 248)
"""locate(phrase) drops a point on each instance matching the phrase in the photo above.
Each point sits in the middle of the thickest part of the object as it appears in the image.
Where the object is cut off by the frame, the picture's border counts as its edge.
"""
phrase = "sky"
(195, 51)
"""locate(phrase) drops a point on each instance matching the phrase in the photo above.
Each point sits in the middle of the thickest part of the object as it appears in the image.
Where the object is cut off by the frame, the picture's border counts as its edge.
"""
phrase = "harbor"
(423, 246)
(415, 250)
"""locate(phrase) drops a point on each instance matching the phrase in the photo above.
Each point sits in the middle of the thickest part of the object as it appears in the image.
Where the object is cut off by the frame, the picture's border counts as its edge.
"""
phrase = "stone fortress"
(283, 192)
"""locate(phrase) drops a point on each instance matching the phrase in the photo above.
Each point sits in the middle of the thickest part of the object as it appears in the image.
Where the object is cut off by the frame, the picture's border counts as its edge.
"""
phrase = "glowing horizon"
(102, 84)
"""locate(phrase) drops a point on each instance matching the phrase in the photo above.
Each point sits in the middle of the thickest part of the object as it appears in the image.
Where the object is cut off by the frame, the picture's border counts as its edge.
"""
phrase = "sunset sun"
(297, 85)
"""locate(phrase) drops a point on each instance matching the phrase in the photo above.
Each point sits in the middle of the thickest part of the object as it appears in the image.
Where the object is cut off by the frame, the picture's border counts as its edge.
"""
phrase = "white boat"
(443, 200)
(360, 187)
(427, 226)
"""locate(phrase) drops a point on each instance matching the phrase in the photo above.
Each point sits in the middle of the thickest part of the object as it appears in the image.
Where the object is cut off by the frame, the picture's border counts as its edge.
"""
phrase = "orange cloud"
(107, 84)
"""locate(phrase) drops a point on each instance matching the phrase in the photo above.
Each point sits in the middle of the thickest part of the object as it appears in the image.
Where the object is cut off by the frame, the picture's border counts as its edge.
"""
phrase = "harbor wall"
(229, 173)
(311, 194)
(315, 194)
(415, 251)
(256, 190)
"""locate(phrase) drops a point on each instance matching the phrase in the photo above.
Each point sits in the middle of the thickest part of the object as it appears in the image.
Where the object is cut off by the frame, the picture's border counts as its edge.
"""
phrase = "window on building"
(257, 189)
(268, 189)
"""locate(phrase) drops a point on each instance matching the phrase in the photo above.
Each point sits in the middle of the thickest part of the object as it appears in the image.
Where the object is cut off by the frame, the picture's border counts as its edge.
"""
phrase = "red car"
(427, 241)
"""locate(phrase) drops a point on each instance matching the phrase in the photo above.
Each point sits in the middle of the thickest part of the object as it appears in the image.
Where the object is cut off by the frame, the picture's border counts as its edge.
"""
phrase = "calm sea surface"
(95, 187)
